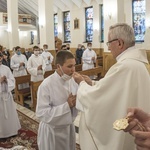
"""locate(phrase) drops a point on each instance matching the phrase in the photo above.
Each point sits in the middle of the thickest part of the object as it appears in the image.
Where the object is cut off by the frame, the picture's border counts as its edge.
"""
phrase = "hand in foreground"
(77, 77)
(139, 127)
(87, 79)
(138, 120)
(142, 140)
(71, 100)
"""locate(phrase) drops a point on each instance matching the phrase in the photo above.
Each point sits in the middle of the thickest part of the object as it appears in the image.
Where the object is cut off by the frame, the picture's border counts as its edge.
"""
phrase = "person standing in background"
(36, 65)
(48, 57)
(88, 58)
(79, 53)
(27, 53)
(18, 64)
(9, 121)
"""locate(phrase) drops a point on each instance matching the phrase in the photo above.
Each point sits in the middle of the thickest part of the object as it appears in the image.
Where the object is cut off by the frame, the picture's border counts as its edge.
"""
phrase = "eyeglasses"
(108, 43)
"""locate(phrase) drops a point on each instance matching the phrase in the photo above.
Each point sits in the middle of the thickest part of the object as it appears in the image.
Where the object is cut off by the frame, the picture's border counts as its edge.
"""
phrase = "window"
(139, 19)
(102, 22)
(55, 25)
(67, 37)
(89, 23)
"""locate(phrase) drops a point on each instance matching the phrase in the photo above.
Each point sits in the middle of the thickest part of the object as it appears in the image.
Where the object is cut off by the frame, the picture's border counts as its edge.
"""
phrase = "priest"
(126, 84)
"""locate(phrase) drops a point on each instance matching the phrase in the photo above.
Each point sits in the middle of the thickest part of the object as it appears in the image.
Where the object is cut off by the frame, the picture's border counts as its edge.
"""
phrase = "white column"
(113, 13)
(46, 23)
(12, 11)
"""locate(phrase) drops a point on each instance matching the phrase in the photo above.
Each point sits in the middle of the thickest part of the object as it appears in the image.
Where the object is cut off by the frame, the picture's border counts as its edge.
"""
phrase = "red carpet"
(27, 136)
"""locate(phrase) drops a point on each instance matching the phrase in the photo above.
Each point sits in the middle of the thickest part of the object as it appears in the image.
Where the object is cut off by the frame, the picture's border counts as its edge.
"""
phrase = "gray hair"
(122, 31)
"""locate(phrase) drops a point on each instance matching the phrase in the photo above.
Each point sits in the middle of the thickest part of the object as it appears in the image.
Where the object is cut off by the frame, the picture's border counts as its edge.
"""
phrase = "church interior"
(29, 23)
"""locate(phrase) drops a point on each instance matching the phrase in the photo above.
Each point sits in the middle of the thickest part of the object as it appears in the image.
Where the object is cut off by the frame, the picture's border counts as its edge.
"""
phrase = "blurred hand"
(3, 79)
(40, 67)
(93, 58)
(142, 140)
(72, 100)
(77, 77)
(21, 64)
(136, 116)
(87, 79)
(48, 57)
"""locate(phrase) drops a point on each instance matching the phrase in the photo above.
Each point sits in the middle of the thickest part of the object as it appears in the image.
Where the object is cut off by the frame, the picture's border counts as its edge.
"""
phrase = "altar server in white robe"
(18, 63)
(56, 110)
(36, 65)
(9, 122)
(126, 84)
(48, 57)
(88, 58)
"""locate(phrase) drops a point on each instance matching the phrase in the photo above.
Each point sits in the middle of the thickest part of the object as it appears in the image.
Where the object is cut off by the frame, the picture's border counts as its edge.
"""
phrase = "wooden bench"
(78, 67)
(21, 93)
(34, 89)
(48, 73)
(94, 71)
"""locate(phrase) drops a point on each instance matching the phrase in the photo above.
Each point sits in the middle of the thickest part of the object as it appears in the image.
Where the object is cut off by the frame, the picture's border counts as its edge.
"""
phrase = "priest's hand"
(77, 77)
(72, 100)
(87, 79)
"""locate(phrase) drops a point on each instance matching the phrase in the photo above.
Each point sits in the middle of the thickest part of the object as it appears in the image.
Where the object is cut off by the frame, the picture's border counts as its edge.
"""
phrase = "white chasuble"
(126, 84)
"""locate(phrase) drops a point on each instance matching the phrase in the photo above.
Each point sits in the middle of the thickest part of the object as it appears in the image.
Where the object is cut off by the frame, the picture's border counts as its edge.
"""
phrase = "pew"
(21, 93)
(48, 73)
(78, 67)
(94, 71)
(34, 89)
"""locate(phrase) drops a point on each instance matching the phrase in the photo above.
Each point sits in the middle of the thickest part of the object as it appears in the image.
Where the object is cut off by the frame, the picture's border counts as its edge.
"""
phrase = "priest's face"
(113, 44)
(69, 66)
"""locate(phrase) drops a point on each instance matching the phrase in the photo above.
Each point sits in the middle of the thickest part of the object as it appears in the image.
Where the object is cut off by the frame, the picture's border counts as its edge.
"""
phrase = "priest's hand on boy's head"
(77, 77)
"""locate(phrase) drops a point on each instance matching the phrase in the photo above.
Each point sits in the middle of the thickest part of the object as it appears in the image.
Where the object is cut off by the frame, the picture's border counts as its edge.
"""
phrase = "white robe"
(127, 84)
(9, 122)
(48, 62)
(56, 129)
(19, 71)
(88, 63)
(32, 65)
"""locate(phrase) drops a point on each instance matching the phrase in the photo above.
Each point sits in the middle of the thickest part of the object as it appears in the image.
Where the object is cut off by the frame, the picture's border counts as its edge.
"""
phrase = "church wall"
(78, 35)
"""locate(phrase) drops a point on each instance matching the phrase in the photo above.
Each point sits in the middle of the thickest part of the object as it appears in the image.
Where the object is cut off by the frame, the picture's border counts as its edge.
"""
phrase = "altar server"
(56, 110)
(9, 122)
(36, 65)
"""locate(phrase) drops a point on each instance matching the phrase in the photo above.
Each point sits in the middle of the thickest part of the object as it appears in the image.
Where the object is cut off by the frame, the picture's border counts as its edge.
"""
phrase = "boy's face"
(69, 66)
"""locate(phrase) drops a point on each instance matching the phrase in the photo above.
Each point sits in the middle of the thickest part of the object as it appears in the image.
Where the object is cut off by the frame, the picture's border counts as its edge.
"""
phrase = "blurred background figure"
(79, 53)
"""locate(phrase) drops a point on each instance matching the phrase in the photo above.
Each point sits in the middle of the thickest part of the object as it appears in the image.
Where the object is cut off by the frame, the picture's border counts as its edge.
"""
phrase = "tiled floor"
(31, 114)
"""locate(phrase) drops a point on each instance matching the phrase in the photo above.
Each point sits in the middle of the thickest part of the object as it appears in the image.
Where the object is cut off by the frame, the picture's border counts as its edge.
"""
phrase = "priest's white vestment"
(126, 84)
(56, 129)
(9, 122)
(32, 67)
